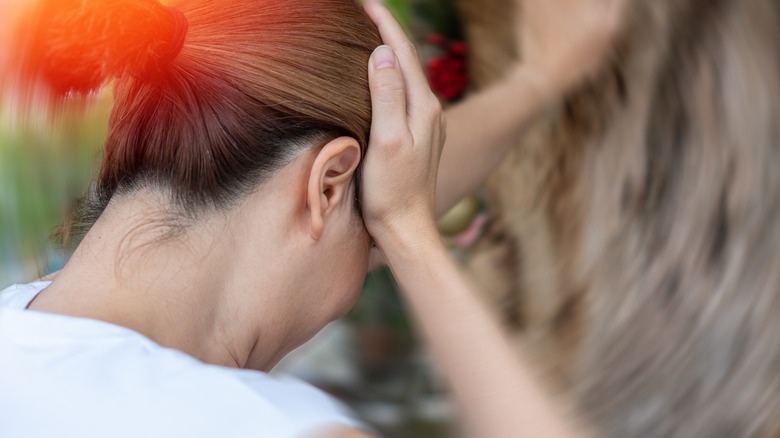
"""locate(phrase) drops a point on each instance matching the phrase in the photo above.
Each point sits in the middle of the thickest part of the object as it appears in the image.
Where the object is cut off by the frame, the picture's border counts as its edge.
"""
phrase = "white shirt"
(62, 376)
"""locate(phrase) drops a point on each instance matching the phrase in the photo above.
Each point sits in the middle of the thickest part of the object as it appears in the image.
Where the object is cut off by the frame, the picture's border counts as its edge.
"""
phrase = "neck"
(189, 291)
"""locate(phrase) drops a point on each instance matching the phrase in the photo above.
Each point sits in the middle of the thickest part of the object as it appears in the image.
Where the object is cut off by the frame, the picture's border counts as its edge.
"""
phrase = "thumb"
(388, 95)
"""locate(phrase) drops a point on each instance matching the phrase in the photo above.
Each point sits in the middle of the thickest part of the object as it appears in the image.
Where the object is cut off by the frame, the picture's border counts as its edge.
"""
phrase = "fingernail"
(384, 57)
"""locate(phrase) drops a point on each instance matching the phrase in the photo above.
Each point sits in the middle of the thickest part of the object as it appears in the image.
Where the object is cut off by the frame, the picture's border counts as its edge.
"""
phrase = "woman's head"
(210, 119)
(254, 83)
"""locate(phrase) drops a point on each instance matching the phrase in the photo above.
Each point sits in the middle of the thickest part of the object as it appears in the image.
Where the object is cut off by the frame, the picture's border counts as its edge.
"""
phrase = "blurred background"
(45, 166)
(371, 359)
(628, 242)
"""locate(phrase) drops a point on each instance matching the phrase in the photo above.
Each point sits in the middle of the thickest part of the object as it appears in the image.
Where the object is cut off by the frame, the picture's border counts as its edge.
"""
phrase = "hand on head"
(407, 135)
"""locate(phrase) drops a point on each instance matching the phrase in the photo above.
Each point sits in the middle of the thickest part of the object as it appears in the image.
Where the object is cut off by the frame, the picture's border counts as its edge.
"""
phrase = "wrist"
(406, 236)
(543, 86)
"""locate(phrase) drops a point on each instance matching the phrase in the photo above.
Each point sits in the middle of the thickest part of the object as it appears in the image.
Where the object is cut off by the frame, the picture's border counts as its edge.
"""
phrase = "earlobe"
(330, 180)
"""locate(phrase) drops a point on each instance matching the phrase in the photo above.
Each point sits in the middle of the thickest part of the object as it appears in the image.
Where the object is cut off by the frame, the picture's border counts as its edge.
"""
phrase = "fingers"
(388, 96)
(393, 35)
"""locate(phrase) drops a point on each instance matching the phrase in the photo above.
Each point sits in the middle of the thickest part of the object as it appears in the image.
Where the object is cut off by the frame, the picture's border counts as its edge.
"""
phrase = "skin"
(303, 220)
(566, 42)
(122, 274)
(563, 43)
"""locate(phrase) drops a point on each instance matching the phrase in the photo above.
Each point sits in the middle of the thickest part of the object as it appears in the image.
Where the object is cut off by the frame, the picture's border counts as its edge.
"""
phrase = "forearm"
(480, 132)
(501, 396)
(482, 129)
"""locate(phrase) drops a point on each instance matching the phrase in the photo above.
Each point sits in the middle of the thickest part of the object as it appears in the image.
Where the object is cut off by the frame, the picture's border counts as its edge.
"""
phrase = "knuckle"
(390, 139)
(381, 138)
(433, 109)
(434, 106)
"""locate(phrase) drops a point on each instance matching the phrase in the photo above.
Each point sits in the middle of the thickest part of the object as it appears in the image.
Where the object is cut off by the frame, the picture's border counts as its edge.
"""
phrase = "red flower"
(448, 73)
(458, 48)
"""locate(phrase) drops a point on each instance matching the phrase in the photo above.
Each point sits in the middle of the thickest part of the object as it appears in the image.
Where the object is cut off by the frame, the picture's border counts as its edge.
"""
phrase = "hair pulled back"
(254, 82)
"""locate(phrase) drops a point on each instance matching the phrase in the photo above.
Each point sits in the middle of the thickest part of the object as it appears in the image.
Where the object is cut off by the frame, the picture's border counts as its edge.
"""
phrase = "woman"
(224, 229)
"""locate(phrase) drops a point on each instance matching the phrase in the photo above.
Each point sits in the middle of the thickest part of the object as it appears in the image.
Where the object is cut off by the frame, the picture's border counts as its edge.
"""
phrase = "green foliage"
(45, 165)
(401, 10)
(439, 16)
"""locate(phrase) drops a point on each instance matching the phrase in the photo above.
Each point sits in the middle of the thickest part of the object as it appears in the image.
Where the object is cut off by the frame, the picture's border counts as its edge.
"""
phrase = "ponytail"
(72, 47)
(210, 119)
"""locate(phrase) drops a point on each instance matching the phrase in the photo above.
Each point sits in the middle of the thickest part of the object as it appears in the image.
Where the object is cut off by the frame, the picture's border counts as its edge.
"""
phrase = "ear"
(330, 180)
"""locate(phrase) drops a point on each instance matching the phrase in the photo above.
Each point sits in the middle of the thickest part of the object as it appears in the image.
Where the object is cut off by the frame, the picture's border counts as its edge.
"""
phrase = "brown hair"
(255, 82)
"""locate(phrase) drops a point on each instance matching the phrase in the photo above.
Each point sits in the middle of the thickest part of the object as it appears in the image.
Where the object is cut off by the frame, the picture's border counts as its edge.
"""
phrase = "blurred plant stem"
(46, 163)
